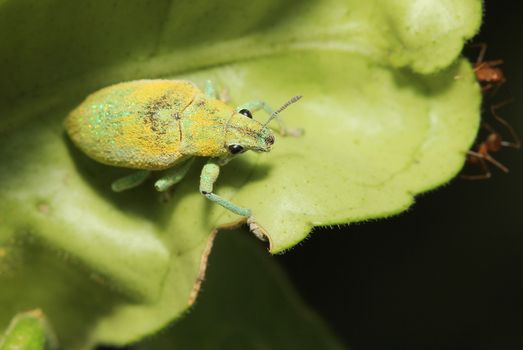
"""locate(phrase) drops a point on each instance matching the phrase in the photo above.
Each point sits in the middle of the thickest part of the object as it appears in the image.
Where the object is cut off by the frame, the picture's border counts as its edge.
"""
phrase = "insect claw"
(293, 132)
(256, 229)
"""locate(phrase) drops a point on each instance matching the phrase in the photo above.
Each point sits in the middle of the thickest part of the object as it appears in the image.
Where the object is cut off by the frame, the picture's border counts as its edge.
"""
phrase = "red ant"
(492, 143)
(488, 74)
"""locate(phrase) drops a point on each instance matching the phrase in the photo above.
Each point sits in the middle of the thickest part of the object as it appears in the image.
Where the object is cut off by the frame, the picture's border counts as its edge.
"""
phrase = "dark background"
(447, 274)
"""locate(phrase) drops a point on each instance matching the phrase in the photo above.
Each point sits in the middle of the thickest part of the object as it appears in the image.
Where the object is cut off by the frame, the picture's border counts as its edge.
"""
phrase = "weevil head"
(242, 133)
(246, 134)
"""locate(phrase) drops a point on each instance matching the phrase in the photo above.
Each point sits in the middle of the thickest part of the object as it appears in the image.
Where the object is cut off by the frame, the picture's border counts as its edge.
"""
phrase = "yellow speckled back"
(135, 124)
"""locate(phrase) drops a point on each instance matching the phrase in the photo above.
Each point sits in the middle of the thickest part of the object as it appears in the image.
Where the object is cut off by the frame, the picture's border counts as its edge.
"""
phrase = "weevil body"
(163, 124)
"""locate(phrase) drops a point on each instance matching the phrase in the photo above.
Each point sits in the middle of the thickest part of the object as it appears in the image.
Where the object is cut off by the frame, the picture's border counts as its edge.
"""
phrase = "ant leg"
(489, 128)
(494, 63)
(516, 142)
(486, 88)
(496, 87)
(486, 172)
(478, 66)
(482, 51)
(489, 158)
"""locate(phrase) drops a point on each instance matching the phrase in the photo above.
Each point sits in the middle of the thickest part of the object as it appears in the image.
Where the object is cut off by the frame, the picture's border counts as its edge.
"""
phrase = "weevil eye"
(235, 148)
(246, 113)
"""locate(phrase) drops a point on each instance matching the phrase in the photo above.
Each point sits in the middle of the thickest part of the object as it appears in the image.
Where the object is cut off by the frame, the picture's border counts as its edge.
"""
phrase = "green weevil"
(161, 124)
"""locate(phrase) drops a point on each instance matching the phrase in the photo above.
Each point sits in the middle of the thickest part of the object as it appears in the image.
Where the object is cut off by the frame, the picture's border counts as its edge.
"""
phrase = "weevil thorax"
(212, 128)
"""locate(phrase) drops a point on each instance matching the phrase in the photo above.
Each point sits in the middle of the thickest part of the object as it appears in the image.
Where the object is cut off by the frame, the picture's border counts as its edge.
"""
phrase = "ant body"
(493, 143)
(490, 77)
(488, 74)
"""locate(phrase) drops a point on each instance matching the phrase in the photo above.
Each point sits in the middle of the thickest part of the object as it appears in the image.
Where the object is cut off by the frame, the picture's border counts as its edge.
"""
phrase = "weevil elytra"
(150, 125)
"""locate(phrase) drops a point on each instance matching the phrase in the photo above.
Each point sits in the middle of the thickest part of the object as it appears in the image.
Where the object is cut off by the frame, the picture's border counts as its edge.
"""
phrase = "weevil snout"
(266, 139)
(269, 140)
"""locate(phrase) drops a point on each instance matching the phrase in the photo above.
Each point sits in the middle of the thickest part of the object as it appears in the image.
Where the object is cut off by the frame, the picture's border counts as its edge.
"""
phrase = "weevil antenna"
(283, 107)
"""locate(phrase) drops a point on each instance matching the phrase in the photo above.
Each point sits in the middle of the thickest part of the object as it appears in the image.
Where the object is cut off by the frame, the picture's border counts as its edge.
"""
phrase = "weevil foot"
(257, 229)
(292, 132)
(130, 181)
(166, 196)
(224, 96)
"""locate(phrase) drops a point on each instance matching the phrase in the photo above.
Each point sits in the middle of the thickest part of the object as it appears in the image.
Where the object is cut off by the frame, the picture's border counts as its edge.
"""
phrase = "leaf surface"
(246, 303)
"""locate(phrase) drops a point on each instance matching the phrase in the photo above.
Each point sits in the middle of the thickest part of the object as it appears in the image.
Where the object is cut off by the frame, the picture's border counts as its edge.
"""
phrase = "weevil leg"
(174, 176)
(210, 90)
(210, 172)
(254, 106)
(130, 181)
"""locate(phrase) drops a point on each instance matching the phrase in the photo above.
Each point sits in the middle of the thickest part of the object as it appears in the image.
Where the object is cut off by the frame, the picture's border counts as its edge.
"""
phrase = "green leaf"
(377, 132)
(28, 331)
(246, 303)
